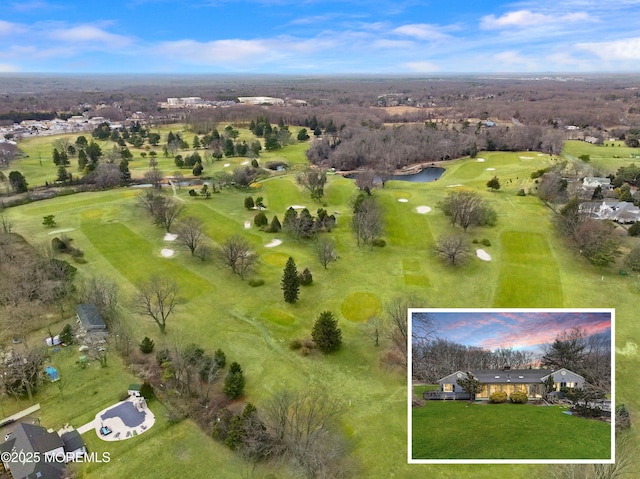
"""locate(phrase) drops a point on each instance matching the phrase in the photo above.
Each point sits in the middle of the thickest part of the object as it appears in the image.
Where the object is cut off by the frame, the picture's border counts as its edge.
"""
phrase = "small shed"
(52, 373)
(89, 318)
(134, 390)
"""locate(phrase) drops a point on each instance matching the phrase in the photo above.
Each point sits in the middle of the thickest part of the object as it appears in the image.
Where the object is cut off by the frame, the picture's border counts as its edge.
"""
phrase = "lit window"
(448, 388)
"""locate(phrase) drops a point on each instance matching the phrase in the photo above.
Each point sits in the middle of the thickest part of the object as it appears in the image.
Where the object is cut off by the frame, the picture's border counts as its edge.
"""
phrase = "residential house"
(507, 380)
(610, 209)
(33, 452)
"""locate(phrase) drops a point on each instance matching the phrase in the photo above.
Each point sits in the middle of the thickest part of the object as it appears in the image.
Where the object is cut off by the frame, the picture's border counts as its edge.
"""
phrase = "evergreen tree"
(275, 225)
(290, 282)
(234, 382)
(325, 332)
(494, 183)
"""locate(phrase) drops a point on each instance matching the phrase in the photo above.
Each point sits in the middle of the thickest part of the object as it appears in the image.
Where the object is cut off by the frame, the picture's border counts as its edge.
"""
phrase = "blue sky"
(524, 330)
(319, 36)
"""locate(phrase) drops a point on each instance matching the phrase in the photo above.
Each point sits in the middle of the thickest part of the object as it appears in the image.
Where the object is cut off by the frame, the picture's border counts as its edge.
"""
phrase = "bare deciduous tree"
(157, 298)
(452, 247)
(326, 251)
(313, 179)
(367, 221)
(190, 233)
(237, 254)
(466, 208)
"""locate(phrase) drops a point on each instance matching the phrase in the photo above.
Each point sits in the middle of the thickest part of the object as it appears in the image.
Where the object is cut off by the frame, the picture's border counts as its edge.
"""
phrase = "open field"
(530, 267)
(457, 430)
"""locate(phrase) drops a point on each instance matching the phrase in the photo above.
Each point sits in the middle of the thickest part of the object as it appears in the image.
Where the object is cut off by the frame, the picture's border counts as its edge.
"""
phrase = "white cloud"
(421, 31)
(217, 52)
(627, 49)
(526, 18)
(421, 67)
(8, 28)
(84, 34)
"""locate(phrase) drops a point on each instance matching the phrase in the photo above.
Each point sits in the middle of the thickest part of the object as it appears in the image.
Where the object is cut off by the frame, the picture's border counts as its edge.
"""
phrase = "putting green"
(278, 317)
(360, 306)
(275, 259)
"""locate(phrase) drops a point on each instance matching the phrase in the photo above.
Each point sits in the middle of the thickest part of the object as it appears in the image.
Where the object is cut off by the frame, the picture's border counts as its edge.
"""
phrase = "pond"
(427, 175)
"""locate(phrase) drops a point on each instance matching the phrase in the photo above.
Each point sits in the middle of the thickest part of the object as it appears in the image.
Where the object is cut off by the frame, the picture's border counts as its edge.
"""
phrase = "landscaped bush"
(295, 344)
(498, 397)
(519, 397)
(587, 411)
(521, 192)
(260, 220)
(123, 396)
(147, 345)
(146, 390)
(486, 242)
(249, 203)
(379, 243)
(305, 277)
(66, 335)
(623, 420)
(58, 245)
(255, 282)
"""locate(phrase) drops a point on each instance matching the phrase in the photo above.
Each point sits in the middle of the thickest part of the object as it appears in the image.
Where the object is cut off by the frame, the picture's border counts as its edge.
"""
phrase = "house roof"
(508, 376)
(90, 317)
(30, 438)
(72, 441)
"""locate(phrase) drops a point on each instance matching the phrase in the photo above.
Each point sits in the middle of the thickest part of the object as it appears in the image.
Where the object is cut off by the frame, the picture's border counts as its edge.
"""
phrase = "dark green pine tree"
(234, 382)
(325, 332)
(290, 281)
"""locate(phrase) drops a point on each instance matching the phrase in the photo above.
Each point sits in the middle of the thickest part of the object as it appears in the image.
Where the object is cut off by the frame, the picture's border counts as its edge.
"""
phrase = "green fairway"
(457, 430)
(530, 266)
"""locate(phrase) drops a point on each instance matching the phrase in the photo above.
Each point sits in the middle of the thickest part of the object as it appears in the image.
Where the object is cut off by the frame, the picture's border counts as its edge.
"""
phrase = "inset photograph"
(511, 386)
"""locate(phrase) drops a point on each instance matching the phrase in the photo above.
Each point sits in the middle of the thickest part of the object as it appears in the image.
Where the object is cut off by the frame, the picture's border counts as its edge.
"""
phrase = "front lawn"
(457, 430)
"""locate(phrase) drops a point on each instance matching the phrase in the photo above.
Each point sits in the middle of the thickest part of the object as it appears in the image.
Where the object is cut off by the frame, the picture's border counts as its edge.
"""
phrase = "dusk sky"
(319, 36)
(520, 330)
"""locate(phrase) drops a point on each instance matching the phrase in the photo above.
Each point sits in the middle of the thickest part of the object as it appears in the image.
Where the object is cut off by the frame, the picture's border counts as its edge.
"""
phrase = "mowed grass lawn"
(457, 430)
(530, 266)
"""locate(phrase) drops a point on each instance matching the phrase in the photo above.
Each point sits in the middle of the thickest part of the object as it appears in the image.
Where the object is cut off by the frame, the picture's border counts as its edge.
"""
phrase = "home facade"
(506, 380)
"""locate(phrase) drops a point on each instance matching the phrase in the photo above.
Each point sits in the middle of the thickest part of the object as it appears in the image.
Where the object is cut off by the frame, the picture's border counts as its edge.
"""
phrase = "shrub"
(254, 163)
(475, 241)
(274, 165)
(147, 345)
(486, 242)
(634, 229)
(521, 192)
(163, 356)
(623, 420)
(255, 282)
(248, 203)
(305, 277)
(498, 397)
(260, 220)
(58, 245)
(519, 397)
(379, 243)
(295, 344)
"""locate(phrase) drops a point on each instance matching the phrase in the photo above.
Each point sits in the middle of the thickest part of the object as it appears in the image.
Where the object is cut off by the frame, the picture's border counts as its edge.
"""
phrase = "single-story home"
(507, 380)
(611, 209)
(48, 450)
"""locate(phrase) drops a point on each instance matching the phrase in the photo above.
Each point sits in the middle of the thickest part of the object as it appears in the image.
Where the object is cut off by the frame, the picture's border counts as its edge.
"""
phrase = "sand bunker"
(491, 169)
(170, 237)
(402, 200)
(480, 160)
(454, 186)
(244, 163)
(483, 255)
(297, 207)
(226, 165)
(166, 253)
(272, 243)
(247, 225)
(423, 210)
(526, 157)
(63, 230)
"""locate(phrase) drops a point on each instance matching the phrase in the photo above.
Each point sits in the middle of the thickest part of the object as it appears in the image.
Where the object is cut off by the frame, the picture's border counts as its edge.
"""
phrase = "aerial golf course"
(527, 265)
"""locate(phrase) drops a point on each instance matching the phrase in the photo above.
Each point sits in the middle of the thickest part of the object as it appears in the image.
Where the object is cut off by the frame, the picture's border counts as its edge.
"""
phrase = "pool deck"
(119, 430)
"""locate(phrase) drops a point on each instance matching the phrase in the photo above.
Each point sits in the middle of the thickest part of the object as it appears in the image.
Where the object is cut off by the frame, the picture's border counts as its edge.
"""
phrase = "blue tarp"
(52, 373)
